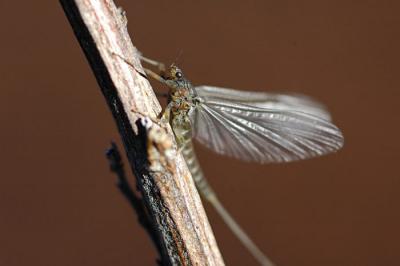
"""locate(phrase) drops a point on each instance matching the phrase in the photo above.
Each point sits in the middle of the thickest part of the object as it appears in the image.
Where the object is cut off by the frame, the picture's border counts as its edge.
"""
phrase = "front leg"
(148, 72)
(154, 75)
(161, 67)
(166, 118)
(166, 115)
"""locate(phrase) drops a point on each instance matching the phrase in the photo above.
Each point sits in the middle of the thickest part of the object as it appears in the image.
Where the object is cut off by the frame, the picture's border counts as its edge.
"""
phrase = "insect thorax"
(182, 105)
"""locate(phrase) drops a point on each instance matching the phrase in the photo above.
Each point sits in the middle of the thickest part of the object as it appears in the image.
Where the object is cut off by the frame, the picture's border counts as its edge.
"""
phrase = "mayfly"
(250, 126)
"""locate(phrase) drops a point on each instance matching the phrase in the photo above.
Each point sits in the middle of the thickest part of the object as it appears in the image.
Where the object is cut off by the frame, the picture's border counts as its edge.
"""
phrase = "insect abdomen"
(186, 146)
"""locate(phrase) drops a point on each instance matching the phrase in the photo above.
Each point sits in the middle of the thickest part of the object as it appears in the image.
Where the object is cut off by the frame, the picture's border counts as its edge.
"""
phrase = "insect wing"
(274, 101)
(246, 129)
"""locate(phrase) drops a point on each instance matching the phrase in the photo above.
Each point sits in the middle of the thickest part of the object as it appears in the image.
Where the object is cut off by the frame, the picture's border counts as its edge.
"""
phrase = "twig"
(137, 204)
(168, 191)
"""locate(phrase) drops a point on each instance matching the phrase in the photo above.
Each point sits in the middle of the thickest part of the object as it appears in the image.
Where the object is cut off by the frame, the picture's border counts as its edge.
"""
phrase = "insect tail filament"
(239, 232)
(208, 194)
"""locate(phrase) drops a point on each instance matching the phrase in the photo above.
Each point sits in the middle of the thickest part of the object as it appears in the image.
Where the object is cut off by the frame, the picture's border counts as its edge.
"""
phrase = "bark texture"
(184, 233)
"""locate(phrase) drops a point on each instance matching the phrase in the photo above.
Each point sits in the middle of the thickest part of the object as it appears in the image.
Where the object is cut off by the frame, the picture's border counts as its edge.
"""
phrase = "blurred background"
(58, 201)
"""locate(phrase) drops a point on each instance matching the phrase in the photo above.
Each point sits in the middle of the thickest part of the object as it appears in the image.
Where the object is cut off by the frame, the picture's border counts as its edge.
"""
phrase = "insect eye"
(178, 75)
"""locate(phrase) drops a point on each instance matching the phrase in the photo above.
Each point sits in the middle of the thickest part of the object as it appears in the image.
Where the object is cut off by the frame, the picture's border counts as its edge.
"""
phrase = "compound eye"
(178, 75)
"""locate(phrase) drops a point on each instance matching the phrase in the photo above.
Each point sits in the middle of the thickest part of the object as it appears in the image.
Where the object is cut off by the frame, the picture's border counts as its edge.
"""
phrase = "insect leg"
(166, 115)
(154, 75)
(159, 65)
(157, 77)
(148, 72)
(128, 63)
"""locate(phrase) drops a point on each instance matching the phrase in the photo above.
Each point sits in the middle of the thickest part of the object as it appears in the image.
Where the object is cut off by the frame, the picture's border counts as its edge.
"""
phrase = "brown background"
(58, 202)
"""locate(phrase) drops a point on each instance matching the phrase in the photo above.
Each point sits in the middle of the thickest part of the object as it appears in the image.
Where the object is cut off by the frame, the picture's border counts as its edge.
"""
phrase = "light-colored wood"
(169, 193)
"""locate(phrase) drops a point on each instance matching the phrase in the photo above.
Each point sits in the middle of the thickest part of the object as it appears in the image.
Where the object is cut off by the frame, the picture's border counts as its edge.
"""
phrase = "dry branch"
(167, 188)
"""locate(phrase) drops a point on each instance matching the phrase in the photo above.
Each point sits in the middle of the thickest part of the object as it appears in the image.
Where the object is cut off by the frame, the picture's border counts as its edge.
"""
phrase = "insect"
(251, 126)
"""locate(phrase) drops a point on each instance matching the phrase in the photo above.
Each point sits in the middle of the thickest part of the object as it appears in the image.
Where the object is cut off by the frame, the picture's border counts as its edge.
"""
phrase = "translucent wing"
(245, 126)
(266, 100)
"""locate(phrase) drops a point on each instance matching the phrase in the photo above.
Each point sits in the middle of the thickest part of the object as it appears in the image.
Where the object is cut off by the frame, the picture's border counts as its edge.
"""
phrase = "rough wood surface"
(169, 193)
